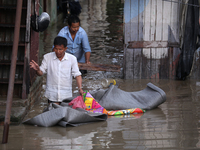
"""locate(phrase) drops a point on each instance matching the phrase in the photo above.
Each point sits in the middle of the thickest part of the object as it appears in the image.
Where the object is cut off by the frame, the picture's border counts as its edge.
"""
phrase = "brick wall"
(35, 91)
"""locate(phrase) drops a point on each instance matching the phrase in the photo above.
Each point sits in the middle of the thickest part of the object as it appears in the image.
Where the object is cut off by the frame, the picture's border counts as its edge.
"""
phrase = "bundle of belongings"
(90, 104)
(97, 105)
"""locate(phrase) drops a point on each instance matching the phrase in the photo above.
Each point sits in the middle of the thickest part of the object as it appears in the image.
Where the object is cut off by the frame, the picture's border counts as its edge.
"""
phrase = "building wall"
(51, 9)
(151, 34)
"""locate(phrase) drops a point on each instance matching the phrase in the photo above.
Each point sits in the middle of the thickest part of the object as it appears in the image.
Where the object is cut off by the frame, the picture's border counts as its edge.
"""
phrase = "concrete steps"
(17, 114)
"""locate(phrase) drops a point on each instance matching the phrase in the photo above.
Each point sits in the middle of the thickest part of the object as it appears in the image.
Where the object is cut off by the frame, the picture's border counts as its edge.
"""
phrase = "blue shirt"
(79, 46)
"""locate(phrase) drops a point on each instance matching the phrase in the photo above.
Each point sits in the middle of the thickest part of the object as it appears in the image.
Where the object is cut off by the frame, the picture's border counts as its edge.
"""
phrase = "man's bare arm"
(87, 57)
(79, 84)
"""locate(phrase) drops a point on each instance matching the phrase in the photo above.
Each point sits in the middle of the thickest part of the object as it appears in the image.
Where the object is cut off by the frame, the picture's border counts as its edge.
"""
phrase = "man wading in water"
(77, 40)
(59, 67)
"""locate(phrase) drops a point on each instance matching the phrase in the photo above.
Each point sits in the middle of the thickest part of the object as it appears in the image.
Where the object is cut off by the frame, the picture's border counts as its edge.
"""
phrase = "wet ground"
(175, 124)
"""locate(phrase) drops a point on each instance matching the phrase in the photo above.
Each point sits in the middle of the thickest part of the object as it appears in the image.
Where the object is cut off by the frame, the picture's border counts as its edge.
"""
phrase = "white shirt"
(59, 75)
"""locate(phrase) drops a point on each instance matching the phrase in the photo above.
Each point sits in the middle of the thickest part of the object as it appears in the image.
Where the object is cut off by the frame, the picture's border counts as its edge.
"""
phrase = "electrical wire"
(181, 3)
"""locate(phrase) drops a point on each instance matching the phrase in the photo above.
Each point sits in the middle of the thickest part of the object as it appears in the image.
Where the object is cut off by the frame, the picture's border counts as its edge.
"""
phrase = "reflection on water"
(103, 21)
(173, 125)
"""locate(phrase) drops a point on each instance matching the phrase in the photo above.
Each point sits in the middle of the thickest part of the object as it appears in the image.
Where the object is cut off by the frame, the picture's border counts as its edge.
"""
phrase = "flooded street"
(175, 124)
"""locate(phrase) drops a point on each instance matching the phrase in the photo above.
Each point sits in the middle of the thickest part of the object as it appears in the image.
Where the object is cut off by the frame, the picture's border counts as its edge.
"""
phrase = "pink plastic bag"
(77, 103)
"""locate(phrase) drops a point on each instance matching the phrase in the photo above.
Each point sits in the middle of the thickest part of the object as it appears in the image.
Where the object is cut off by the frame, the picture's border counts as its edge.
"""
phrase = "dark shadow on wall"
(189, 42)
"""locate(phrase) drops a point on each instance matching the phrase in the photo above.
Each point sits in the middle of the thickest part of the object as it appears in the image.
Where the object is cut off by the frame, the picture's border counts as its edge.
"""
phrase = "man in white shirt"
(59, 67)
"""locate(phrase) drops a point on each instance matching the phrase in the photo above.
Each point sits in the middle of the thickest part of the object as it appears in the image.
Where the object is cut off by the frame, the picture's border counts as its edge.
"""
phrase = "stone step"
(16, 116)
(16, 102)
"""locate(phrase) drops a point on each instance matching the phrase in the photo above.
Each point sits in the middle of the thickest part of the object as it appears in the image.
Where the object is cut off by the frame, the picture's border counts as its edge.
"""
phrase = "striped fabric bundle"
(95, 107)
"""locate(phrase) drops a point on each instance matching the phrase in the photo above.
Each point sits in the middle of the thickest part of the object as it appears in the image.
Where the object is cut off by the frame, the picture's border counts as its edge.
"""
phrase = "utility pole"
(12, 71)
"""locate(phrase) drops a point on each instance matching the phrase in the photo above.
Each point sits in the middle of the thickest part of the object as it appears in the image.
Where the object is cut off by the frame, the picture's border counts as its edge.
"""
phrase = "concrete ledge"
(15, 102)
(20, 107)
(17, 114)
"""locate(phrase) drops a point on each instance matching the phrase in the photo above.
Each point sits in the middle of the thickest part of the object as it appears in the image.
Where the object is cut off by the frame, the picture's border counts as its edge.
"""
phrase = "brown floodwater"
(175, 124)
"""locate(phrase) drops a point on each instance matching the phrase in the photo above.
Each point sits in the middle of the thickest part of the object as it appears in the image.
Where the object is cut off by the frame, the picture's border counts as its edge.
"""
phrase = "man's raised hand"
(34, 65)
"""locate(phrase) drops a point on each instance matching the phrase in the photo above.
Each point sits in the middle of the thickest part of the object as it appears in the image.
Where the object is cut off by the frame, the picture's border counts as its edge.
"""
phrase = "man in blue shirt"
(77, 40)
